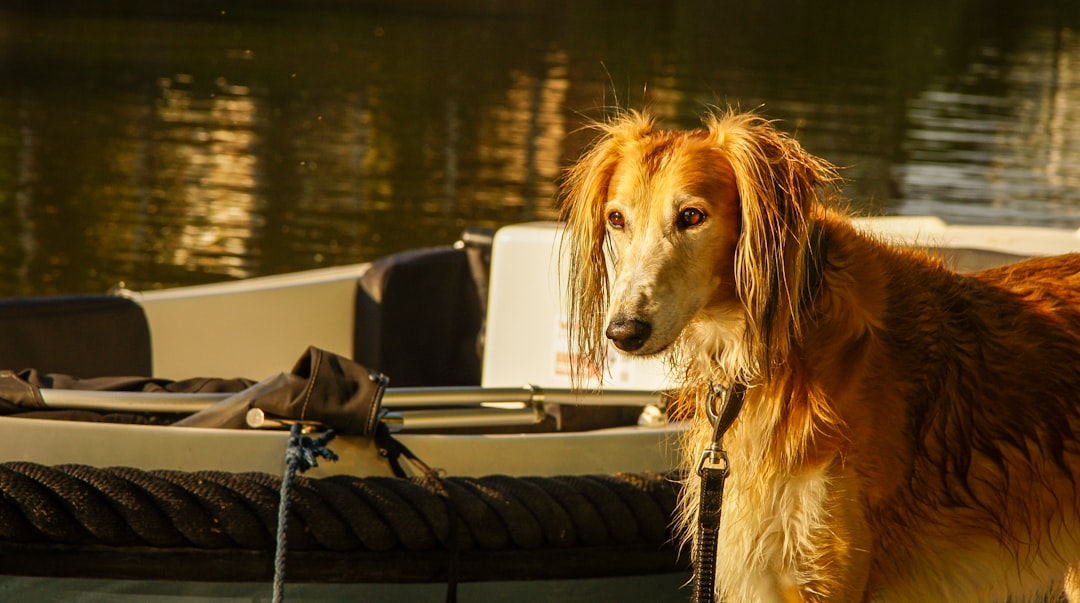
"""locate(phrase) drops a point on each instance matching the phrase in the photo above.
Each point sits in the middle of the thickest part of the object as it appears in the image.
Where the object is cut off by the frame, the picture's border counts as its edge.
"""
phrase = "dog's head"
(705, 232)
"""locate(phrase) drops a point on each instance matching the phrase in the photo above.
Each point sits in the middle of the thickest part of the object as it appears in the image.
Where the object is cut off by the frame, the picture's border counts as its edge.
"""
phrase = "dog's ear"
(778, 185)
(585, 191)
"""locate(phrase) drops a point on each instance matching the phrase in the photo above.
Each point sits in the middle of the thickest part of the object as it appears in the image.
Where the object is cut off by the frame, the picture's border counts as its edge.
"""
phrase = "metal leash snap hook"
(724, 407)
(713, 457)
(718, 399)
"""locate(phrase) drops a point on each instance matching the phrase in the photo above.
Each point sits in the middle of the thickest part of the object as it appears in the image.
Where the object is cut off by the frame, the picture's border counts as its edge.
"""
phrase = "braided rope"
(80, 505)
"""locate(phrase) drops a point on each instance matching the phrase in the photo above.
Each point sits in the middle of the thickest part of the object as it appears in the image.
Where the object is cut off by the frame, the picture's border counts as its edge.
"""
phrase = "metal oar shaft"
(394, 398)
(77, 399)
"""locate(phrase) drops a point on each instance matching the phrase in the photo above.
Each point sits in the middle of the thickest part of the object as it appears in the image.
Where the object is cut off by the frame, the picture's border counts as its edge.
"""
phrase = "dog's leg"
(840, 553)
(1072, 583)
(847, 553)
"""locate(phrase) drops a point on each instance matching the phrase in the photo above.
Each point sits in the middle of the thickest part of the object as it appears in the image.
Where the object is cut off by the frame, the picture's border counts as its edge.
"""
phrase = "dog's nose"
(628, 334)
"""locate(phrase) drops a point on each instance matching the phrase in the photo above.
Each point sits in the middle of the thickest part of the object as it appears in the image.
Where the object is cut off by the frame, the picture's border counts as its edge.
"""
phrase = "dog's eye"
(616, 219)
(690, 217)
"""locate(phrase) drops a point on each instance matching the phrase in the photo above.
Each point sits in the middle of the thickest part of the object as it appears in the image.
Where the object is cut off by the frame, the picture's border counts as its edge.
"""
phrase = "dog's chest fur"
(772, 520)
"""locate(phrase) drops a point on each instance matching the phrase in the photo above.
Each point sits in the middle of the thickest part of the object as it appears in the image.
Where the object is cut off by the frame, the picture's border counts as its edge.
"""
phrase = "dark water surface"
(173, 143)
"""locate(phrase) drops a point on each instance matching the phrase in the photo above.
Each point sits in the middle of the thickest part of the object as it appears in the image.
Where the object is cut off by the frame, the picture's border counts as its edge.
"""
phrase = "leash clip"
(719, 399)
(724, 405)
(713, 458)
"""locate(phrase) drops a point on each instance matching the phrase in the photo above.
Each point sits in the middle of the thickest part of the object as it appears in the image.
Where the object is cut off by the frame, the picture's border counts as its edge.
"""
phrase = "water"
(160, 144)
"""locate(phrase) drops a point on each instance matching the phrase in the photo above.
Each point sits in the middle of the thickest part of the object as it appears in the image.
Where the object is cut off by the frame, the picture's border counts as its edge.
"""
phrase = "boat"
(146, 436)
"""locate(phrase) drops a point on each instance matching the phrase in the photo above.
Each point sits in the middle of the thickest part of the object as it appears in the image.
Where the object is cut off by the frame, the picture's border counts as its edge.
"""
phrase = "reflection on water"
(207, 148)
(181, 144)
(1001, 140)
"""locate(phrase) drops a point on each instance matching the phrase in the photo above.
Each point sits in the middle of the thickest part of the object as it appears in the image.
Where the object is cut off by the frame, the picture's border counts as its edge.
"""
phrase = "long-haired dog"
(908, 433)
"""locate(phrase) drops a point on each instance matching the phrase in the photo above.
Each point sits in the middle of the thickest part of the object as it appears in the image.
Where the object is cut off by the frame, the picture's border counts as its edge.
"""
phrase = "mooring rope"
(301, 454)
(76, 507)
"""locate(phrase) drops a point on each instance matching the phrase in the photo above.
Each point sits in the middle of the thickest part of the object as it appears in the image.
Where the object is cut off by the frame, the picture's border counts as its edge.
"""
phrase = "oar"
(415, 407)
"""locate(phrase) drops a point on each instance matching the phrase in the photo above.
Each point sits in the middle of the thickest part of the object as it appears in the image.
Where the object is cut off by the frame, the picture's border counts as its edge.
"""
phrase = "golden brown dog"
(909, 434)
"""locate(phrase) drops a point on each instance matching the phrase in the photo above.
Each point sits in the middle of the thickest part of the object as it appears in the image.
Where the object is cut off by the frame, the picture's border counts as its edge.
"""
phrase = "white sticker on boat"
(622, 371)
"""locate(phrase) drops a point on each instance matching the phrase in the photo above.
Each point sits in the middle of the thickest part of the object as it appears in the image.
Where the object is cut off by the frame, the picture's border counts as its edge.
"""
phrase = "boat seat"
(419, 317)
(81, 335)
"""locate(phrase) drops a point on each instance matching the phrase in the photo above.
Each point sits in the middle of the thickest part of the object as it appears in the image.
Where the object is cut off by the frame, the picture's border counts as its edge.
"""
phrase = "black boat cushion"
(418, 319)
(83, 335)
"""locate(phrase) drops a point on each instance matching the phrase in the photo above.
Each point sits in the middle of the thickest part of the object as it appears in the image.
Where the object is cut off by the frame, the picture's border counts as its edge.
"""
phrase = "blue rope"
(301, 454)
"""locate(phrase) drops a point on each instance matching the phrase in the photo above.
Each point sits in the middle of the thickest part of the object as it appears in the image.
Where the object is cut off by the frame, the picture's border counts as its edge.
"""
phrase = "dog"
(907, 434)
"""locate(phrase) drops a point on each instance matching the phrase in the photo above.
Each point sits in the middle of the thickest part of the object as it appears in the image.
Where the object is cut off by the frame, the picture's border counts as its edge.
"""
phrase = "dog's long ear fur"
(778, 185)
(585, 193)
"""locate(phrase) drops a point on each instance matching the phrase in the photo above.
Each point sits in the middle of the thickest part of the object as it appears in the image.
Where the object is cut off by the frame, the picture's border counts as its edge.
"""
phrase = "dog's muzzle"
(628, 334)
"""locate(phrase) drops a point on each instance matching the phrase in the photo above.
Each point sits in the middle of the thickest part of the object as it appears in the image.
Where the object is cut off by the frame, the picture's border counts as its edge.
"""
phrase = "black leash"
(713, 469)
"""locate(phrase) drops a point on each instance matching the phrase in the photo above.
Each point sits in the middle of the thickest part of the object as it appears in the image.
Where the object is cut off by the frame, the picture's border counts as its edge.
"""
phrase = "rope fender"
(82, 505)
